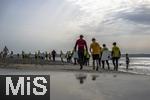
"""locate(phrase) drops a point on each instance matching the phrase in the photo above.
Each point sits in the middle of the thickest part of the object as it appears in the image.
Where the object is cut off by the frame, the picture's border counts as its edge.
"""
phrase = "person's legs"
(75, 61)
(103, 64)
(117, 64)
(93, 62)
(85, 61)
(70, 59)
(113, 61)
(95, 59)
(53, 58)
(127, 65)
(62, 60)
(81, 58)
(97, 62)
(107, 62)
(100, 61)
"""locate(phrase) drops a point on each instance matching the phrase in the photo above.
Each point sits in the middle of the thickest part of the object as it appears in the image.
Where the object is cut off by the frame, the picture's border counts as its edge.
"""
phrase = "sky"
(32, 25)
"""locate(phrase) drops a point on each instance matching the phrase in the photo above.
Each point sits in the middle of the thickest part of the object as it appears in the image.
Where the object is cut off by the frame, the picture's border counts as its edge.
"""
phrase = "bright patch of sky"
(33, 25)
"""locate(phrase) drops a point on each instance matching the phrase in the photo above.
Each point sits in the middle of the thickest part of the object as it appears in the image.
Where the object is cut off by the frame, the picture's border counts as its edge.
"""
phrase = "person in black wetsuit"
(53, 55)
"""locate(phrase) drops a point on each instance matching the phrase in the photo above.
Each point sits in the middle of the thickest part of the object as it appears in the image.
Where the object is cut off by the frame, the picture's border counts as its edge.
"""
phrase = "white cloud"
(57, 23)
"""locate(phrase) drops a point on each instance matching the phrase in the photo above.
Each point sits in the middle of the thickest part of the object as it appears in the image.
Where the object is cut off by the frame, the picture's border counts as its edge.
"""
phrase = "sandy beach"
(67, 82)
(46, 65)
(57, 67)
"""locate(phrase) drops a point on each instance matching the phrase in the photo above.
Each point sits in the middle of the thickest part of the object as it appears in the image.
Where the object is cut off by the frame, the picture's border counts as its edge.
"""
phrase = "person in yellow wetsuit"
(95, 50)
(116, 54)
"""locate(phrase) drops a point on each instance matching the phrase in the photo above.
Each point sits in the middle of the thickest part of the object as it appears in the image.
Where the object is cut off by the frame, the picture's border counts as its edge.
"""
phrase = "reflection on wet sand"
(114, 76)
(81, 77)
(92, 86)
(94, 77)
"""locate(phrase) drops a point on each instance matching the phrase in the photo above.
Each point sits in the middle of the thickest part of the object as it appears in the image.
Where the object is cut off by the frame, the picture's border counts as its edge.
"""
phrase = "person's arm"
(112, 52)
(90, 49)
(119, 53)
(86, 46)
(99, 47)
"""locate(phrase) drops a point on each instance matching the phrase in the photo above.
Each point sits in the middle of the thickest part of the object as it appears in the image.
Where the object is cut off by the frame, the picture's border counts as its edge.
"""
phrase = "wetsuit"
(96, 49)
(81, 43)
(116, 54)
(53, 54)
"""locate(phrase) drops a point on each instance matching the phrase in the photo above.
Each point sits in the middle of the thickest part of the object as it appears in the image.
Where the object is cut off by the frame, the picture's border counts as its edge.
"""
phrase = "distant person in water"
(49, 56)
(53, 55)
(116, 54)
(11, 54)
(46, 55)
(5, 52)
(62, 56)
(39, 54)
(23, 54)
(95, 50)
(43, 56)
(127, 61)
(81, 44)
(36, 56)
(105, 56)
(18, 55)
(87, 59)
(1, 54)
(75, 57)
(68, 56)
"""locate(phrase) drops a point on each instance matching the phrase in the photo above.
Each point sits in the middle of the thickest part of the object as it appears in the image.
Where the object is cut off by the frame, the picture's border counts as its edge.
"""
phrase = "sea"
(139, 65)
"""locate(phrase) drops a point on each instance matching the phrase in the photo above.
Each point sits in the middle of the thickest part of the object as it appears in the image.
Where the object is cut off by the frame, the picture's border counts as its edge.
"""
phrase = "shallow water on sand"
(140, 65)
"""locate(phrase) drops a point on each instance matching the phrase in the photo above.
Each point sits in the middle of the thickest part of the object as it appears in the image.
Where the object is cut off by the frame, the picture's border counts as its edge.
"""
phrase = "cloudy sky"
(32, 25)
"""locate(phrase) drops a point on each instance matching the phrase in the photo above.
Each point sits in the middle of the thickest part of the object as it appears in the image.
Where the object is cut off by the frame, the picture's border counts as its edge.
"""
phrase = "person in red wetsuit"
(82, 45)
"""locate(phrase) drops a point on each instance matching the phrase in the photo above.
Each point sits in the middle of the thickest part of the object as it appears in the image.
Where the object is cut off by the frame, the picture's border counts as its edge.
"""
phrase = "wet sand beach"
(46, 65)
(69, 83)
(61, 67)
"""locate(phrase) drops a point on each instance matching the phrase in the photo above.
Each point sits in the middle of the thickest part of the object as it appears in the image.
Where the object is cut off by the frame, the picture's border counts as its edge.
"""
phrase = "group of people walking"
(4, 53)
(38, 55)
(81, 54)
(99, 54)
